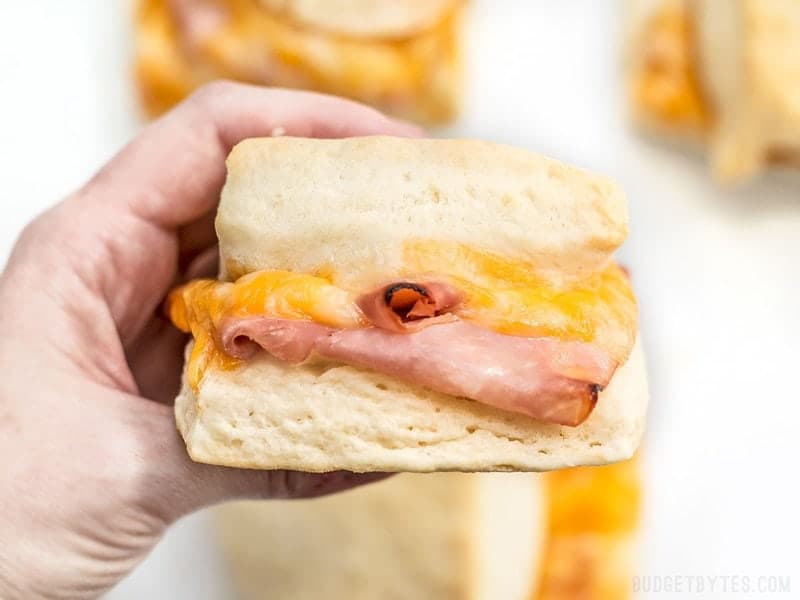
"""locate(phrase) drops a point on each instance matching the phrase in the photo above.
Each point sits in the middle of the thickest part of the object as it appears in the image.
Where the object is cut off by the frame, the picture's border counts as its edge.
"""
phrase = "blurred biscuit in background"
(443, 536)
(590, 540)
(401, 56)
(725, 73)
(562, 535)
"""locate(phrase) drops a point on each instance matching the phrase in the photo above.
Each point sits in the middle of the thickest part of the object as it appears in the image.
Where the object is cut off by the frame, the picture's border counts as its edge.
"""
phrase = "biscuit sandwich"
(392, 304)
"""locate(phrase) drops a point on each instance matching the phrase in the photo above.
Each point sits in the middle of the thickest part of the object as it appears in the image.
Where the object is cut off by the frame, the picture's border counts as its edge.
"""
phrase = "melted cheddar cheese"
(667, 88)
(415, 76)
(594, 499)
(193, 309)
(199, 306)
(513, 297)
(593, 516)
(500, 294)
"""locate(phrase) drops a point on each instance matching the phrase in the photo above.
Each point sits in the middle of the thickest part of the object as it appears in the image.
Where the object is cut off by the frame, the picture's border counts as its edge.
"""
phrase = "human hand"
(94, 470)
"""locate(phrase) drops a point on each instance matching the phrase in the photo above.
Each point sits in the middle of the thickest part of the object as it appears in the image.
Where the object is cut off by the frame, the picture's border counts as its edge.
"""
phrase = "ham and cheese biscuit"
(389, 304)
(399, 55)
(721, 72)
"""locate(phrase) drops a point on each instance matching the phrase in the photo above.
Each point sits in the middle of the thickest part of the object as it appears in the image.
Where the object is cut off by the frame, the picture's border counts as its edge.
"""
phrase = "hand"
(93, 468)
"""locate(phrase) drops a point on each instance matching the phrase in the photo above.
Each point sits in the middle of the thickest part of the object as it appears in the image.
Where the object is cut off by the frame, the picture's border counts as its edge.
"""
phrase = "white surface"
(716, 272)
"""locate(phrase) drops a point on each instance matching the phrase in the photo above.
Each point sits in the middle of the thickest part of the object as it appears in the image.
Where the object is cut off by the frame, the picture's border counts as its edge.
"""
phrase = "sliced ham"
(289, 340)
(408, 306)
(547, 379)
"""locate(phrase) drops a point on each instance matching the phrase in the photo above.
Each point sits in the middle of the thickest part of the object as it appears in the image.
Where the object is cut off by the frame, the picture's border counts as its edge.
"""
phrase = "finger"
(155, 355)
(203, 264)
(171, 175)
(155, 358)
(169, 180)
(282, 484)
(195, 238)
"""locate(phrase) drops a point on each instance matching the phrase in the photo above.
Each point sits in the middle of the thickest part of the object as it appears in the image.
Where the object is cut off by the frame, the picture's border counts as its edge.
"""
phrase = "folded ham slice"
(289, 340)
(409, 306)
(550, 380)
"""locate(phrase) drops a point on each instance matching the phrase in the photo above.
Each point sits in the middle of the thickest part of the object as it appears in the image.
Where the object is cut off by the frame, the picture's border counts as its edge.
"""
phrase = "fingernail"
(411, 130)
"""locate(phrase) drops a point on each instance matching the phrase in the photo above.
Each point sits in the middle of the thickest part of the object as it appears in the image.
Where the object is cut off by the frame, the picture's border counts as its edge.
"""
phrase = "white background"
(716, 271)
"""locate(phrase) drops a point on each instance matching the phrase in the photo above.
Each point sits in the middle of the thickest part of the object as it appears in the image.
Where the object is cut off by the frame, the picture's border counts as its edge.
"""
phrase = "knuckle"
(211, 94)
(40, 228)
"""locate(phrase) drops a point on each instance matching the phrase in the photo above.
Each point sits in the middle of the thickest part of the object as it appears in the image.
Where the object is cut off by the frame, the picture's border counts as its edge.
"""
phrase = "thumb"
(176, 485)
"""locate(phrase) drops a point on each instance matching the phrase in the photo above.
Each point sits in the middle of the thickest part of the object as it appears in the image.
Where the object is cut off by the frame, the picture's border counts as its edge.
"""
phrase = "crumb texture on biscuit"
(349, 205)
(267, 415)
